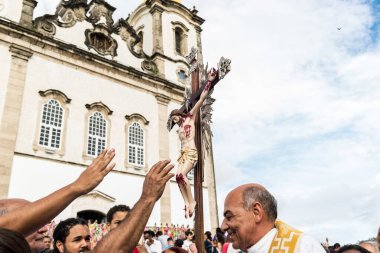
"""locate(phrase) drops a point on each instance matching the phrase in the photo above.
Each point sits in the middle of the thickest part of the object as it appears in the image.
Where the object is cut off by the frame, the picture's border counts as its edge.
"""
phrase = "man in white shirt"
(250, 214)
(151, 244)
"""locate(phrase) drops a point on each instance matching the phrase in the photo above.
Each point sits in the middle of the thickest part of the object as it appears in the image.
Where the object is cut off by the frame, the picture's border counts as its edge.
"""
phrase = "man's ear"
(60, 246)
(258, 211)
(108, 226)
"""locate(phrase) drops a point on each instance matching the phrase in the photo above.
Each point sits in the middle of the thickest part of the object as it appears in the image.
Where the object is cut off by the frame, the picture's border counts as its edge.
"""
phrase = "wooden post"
(198, 171)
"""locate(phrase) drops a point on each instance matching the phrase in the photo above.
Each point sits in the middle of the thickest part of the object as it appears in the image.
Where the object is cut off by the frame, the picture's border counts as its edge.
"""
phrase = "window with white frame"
(97, 134)
(51, 125)
(136, 144)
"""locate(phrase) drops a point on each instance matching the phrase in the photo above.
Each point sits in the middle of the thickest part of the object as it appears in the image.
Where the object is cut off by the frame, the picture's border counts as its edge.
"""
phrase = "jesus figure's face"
(176, 119)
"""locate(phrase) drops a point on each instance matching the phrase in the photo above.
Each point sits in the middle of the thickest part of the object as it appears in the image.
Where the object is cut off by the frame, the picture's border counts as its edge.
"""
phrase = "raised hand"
(156, 179)
(95, 172)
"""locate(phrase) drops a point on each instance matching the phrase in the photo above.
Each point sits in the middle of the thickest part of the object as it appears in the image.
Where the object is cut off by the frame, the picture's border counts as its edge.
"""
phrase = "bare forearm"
(126, 236)
(199, 103)
(33, 216)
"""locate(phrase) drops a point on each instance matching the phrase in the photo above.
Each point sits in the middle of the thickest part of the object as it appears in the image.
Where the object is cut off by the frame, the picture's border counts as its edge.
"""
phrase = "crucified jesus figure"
(189, 153)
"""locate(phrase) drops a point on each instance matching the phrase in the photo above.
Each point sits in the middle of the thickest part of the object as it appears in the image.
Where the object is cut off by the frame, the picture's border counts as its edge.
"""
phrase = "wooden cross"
(223, 69)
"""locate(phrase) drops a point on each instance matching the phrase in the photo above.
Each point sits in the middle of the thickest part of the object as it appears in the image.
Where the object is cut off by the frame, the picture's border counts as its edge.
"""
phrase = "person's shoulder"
(308, 244)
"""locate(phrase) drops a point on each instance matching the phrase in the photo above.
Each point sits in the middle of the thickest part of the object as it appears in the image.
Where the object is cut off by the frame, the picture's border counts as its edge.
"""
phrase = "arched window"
(178, 40)
(98, 125)
(136, 144)
(51, 125)
(97, 134)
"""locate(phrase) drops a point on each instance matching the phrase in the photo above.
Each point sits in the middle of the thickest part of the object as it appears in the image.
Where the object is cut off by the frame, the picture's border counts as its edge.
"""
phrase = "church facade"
(76, 81)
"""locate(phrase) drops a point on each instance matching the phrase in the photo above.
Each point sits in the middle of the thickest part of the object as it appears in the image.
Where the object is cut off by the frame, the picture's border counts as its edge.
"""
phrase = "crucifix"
(188, 119)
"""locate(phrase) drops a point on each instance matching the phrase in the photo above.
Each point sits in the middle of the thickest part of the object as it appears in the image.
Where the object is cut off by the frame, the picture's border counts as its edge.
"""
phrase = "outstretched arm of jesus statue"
(32, 216)
(126, 236)
(211, 77)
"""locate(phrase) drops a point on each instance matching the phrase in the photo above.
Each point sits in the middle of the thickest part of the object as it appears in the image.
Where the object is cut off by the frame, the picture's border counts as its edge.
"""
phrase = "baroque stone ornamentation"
(99, 14)
(132, 39)
(70, 12)
(45, 25)
(192, 55)
(150, 66)
(100, 40)
(224, 66)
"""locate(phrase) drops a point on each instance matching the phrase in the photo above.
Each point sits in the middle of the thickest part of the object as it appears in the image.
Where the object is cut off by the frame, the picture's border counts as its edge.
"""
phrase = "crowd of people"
(250, 222)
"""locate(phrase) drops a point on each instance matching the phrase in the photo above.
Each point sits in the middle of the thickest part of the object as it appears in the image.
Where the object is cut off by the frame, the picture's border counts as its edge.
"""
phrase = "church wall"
(4, 74)
(66, 34)
(125, 56)
(11, 9)
(84, 88)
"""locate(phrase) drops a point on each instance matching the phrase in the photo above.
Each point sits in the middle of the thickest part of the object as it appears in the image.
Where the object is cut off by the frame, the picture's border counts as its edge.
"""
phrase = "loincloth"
(188, 154)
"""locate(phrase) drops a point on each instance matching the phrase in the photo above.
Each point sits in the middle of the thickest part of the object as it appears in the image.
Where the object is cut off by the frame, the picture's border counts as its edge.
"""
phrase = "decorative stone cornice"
(156, 8)
(96, 193)
(198, 28)
(137, 116)
(30, 3)
(180, 24)
(99, 106)
(160, 55)
(20, 52)
(55, 93)
(162, 99)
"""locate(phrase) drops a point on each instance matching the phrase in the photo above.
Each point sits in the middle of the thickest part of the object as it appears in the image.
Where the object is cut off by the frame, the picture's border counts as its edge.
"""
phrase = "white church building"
(75, 81)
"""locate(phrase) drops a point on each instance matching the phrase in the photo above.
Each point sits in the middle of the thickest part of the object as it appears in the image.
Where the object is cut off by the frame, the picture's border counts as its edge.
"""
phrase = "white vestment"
(306, 244)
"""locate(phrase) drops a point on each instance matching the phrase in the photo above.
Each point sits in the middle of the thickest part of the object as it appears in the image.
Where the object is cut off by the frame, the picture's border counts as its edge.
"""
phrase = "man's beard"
(83, 249)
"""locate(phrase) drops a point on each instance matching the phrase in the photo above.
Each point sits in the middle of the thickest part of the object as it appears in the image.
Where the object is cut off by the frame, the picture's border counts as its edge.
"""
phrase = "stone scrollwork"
(71, 12)
(150, 66)
(101, 41)
(100, 13)
(224, 66)
(132, 39)
(45, 25)
(192, 55)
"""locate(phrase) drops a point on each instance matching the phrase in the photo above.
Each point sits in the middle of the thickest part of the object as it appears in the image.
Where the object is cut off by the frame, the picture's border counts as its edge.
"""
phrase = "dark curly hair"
(117, 208)
(63, 230)
(352, 247)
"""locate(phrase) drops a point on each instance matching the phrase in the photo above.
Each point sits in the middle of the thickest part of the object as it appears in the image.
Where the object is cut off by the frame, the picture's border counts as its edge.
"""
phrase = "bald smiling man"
(250, 218)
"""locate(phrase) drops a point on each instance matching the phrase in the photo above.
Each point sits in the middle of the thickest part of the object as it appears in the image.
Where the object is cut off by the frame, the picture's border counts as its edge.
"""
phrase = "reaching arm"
(126, 236)
(33, 216)
(204, 94)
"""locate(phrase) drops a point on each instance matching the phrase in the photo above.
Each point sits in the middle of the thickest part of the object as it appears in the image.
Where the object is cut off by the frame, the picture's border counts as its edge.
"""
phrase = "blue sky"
(299, 112)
